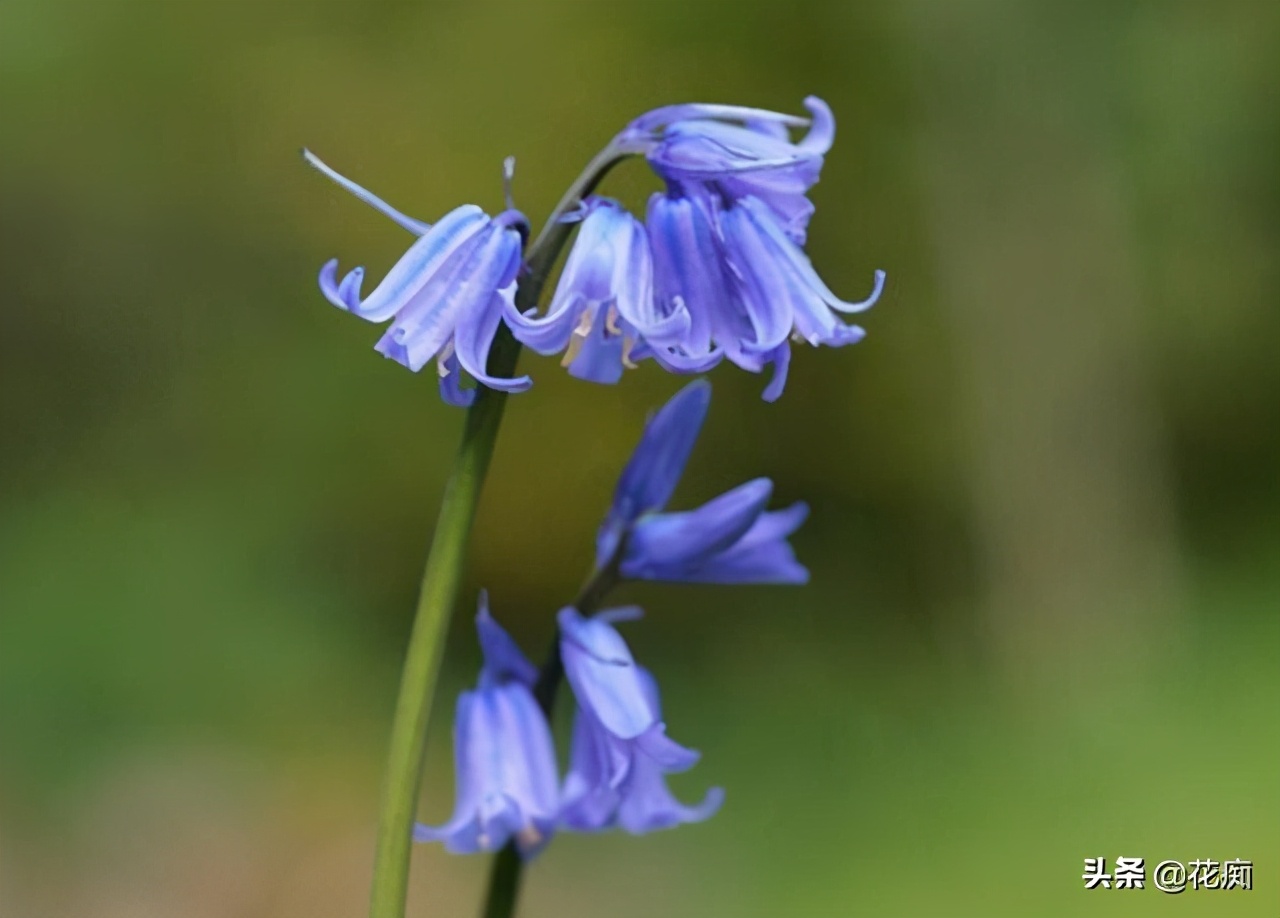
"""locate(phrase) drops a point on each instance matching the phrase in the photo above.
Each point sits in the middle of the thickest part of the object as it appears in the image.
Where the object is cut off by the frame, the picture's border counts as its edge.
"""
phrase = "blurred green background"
(1043, 618)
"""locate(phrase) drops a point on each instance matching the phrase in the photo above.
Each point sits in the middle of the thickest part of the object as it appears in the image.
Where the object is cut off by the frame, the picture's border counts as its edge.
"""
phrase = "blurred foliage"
(1042, 623)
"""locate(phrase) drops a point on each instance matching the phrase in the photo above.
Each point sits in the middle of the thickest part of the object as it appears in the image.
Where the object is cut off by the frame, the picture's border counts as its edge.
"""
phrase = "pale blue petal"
(528, 769)
(793, 257)
(765, 296)
(420, 264)
(503, 659)
(822, 131)
(633, 287)
(589, 797)
(549, 334)
(665, 751)
(451, 391)
(649, 806)
(664, 539)
(346, 295)
(599, 358)
(650, 478)
(698, 110)
(675, 362)
(688, 274)
(781, 360)
(602, 672)
(703, 150)
(462, 289)
(763, 555)
(470, 784)
(506, 773)
(474, 338)
(391, 348)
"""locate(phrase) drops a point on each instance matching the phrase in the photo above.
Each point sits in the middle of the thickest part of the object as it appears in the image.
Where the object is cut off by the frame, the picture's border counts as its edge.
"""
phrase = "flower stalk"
(442, 574)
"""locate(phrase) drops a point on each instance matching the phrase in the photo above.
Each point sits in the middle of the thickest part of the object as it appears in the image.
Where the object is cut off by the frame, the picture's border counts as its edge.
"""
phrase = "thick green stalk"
(440, 581)
(443, 572)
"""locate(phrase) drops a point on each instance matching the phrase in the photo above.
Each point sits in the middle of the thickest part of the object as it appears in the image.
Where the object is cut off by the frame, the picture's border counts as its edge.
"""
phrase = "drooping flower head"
(620, 752)
(504, 756)
(741, 151)
(730, 539)
(603, 307)
(727, 234)
(445, 297)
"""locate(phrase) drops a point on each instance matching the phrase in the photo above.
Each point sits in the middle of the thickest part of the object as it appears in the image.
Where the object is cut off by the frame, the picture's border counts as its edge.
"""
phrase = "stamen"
(628, 345)
(572, 351)
(442, 358)
(508, 175)
(417, 227)
(611, 321)
(529, 836)
(578, 338)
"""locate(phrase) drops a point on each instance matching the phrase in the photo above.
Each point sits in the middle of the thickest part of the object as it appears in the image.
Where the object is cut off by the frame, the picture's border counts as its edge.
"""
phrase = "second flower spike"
(621, 752)
(730, 539)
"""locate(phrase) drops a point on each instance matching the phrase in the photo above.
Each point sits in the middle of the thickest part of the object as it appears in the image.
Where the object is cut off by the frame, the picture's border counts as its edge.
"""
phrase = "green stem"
(504, 877)
(443, 572)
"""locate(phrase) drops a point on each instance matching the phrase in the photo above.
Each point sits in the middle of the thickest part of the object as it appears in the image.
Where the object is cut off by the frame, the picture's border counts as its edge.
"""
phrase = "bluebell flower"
(445, 297)
(620, 753)
(740, 151)
(504, 755)
(748, 287)
(603, 307)
(727, 234)
(730, 539)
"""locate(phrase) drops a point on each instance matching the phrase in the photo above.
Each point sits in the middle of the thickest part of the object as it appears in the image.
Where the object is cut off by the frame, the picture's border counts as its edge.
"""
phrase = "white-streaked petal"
(462, 286)
(474, 337)
(822, 131)
(764, 221)
(421, 262)
(700, 110)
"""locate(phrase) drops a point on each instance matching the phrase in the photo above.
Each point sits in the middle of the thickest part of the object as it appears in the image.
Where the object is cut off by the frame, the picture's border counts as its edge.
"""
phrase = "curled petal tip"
(877, 288)
(822, 129)
(695, 398)
(508, 177)
(344, 295)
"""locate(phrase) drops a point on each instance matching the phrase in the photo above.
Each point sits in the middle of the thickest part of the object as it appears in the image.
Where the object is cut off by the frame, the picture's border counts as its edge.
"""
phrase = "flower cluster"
(507, 776)
(716, 270)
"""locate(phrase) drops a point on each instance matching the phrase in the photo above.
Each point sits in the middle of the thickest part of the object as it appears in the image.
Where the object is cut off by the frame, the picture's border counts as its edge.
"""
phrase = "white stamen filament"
(442, 357)
(611, 321)
(529, 836)
(579, 337)
(508, 175)
(628, 344)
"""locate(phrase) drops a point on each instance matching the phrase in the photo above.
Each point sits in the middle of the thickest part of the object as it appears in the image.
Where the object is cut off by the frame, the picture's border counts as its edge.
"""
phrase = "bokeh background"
(1043, 617)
